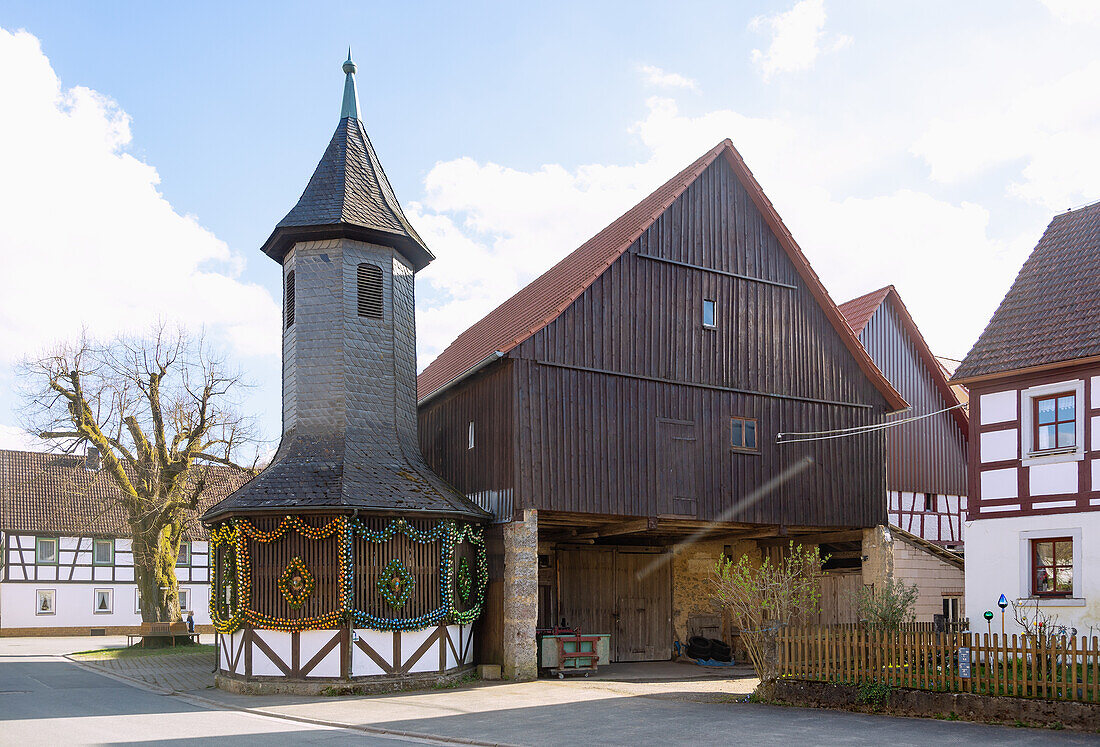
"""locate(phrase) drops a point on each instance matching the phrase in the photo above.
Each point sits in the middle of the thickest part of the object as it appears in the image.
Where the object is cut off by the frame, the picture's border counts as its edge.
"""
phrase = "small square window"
(184, 557)
(44, 604)
(103, 552)
(710, 314)
(1052, 567)
(743, 433)
(104, 601)
(931, 502)
(46, 550)
(470, 436)
(185, 601)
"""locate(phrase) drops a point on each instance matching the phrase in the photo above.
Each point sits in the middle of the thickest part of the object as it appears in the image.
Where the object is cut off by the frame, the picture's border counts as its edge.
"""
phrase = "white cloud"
(797, 38)
(17, 439)
(1047, 127)
(86, 238)
(655, 76)
(1074, 11)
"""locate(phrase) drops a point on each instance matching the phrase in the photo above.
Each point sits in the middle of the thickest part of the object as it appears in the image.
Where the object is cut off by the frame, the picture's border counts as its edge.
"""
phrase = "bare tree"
(161, 410)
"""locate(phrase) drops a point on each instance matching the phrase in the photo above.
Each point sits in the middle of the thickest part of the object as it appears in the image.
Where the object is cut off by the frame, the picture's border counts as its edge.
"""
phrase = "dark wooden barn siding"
(593, 445)
(591, 386)
(925, 456)
(484, 473)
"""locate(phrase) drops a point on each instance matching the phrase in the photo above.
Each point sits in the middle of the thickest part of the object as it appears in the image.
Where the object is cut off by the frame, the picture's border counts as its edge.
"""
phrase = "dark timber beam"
(845, 535)
(628, 527)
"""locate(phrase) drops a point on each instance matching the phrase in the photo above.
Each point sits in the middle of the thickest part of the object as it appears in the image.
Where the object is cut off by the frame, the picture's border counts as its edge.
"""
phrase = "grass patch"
(110, 654)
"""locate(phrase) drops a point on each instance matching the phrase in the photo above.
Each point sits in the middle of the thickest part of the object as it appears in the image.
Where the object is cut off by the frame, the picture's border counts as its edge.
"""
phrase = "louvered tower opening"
(369, 284)
(288, 299)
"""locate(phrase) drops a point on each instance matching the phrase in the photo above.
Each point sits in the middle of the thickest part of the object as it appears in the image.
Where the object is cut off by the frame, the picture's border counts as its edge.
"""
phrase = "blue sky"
(923, 144)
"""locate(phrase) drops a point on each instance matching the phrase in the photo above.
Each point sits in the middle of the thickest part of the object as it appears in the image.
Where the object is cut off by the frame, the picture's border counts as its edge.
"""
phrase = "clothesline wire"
(792, 438)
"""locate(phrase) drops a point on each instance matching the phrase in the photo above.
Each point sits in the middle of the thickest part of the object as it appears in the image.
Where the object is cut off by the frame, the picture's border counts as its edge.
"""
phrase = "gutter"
(492, 357)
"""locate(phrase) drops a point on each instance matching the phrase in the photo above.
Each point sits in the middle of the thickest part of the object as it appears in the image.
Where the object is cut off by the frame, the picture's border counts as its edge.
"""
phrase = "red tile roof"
(859, 311)
(546, 297)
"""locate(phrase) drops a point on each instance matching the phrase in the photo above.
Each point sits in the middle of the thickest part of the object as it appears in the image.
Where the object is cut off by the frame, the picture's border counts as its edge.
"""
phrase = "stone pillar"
(878, 549)
(521, 598)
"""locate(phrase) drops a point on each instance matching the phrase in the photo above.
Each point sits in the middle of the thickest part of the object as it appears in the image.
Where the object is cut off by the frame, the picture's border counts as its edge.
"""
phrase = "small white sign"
(964, 663)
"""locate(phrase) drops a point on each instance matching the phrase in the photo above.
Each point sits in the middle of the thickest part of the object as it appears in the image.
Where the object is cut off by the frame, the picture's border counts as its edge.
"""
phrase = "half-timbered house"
(925, 458)
(66, 566)
(619, 416)
(1033, 513)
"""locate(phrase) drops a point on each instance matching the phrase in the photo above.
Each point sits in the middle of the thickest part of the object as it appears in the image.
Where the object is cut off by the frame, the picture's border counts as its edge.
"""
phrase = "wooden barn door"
(603, 590)
(838, 598)
(679, 474)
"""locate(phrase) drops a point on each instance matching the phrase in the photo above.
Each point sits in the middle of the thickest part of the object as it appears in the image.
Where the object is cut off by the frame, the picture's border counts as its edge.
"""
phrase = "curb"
(201, 700)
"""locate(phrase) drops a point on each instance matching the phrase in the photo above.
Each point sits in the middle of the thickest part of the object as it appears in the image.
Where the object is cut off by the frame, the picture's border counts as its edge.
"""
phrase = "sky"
(147, 150)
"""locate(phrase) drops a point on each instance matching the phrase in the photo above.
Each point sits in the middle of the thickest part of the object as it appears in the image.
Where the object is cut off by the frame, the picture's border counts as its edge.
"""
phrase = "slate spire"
(349, 195)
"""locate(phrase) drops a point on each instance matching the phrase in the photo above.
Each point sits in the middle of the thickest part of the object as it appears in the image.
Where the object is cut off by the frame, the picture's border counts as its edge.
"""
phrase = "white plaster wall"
(310, 643)
(997, 563)
(998, 407)
(74, 602)
(280, 645)
(411, 640)
(230, 646)
(382, 642)
(999, 483)
(999, 446)
(1053, 479)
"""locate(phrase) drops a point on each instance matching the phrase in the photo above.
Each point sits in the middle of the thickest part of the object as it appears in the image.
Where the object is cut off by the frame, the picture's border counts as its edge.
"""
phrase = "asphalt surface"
(47, 700)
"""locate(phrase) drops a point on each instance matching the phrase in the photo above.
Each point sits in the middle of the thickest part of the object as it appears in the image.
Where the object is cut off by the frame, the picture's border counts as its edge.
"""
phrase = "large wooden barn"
(631, 397)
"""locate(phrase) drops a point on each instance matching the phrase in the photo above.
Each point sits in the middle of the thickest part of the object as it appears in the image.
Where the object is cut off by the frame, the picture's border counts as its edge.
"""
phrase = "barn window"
(470, 436)
(710, 319)
(743, 433)
(288, 299)
(368, 281)
(931, 503)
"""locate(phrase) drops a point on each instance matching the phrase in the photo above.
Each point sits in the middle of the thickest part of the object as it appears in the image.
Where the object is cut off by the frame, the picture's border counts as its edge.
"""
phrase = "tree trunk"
(769, 665)
(155, 555)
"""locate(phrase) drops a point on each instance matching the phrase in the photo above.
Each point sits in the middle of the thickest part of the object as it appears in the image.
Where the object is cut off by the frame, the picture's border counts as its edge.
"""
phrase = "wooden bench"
(161, 630)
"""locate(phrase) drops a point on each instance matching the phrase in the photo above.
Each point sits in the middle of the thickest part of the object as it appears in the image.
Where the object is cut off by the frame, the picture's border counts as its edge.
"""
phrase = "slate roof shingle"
(44, 493)
(349, 195)
(1051, 314)
(545, 298)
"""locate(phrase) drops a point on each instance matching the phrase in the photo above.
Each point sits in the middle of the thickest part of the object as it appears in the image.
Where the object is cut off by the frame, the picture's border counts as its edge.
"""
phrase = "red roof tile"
(546, 297)
(859, 311)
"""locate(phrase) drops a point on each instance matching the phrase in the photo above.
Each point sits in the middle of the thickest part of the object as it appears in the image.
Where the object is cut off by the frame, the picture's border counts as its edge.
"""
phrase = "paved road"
(47, 700)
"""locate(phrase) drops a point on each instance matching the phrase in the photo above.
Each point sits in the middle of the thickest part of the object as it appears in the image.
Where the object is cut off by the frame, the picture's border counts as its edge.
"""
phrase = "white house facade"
(1033, 529)
(66, 566)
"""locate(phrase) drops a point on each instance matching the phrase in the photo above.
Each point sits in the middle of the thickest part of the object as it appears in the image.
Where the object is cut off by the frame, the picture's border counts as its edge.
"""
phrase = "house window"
(103, 552)
(104, 601)
(931, 504)
(137, 601)
(44, 602)
(1055, 422)
(184, 558)
(710, 319)
(470, 436)
(1052, 566)
(185, 601)
(46, 550)
(950, 609)
(743, 433)
(288, 299)
(368, 283)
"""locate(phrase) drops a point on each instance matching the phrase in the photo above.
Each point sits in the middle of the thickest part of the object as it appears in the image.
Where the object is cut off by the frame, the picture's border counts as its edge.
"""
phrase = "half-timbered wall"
(592, 386)
(922, 456)
(74, 580)
(945, 525)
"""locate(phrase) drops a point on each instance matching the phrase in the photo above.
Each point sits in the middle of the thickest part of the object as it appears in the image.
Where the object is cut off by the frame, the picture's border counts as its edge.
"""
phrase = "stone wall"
(692, 569)
(934, 577)
(879, 553)
(521, 599)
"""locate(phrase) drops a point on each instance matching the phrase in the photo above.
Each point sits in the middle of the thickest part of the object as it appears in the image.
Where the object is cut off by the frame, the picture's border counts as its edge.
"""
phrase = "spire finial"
(350, 106)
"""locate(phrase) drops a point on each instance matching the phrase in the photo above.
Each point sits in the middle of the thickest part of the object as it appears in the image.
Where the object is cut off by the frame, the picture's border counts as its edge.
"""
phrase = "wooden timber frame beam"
(841, 535)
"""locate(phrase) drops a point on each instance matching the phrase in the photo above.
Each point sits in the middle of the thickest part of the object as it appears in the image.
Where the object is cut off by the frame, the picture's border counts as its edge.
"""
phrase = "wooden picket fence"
(1067, 668)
